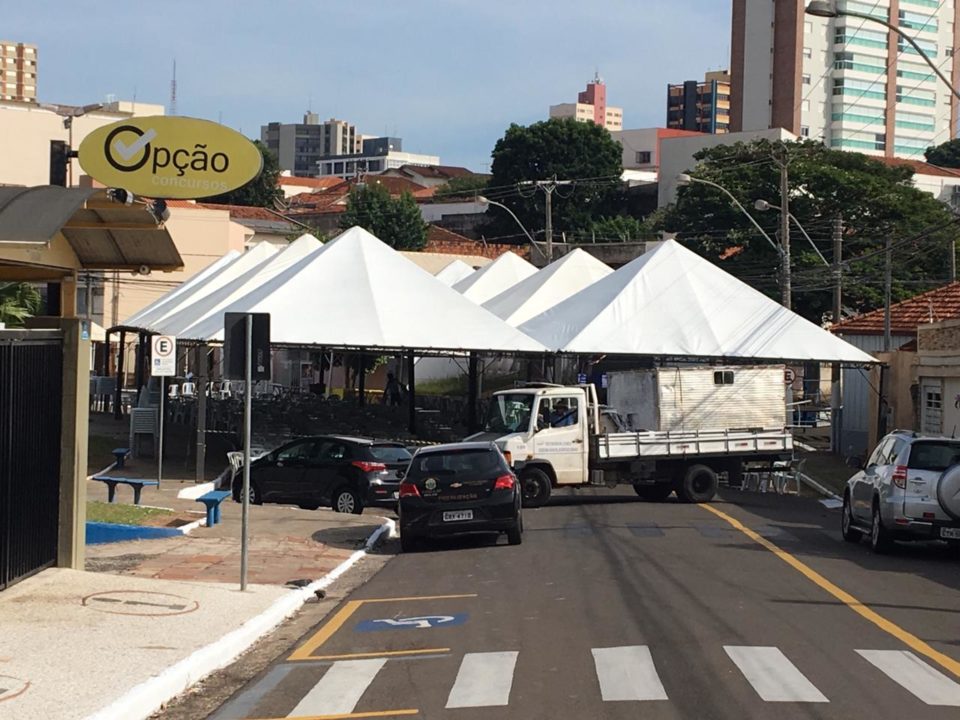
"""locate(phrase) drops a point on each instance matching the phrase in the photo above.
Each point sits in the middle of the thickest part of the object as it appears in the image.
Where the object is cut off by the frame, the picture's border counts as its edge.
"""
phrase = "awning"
(103, 234)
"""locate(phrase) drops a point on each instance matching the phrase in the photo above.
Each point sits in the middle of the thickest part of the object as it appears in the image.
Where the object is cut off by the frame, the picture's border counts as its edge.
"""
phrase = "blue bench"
(212, 502)
(121, 454)
(136, 483)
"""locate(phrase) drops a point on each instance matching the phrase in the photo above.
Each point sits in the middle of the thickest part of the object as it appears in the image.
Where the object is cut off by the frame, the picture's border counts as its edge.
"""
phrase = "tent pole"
(412, 394)
(361, 379)
(473, 393)
(201, 393)
(118, 396)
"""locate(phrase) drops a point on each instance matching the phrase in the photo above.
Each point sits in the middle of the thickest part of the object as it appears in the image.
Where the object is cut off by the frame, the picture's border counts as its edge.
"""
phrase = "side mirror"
(542, 424)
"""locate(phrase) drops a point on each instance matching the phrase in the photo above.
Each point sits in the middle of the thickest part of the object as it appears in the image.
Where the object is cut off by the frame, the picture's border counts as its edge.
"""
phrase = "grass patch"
(125, 514)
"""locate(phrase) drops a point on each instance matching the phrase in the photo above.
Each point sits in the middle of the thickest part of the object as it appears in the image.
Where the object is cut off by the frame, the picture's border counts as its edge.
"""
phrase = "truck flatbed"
(650, 445)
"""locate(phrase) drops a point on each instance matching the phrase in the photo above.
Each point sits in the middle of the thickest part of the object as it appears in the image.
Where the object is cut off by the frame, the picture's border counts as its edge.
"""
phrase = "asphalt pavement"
(751, 607)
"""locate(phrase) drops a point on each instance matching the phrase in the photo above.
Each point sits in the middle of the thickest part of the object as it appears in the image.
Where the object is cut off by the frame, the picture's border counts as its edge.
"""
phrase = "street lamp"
(68, 113)
(486, 201)
(684, 179)
(763, 205)
(826, 9)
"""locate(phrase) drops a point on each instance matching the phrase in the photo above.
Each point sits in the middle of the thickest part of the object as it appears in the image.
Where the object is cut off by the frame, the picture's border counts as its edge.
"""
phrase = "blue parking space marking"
(421, 622)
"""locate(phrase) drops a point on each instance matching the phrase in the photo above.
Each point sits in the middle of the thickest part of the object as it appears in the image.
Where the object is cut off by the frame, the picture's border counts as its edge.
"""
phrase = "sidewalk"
(138, 626)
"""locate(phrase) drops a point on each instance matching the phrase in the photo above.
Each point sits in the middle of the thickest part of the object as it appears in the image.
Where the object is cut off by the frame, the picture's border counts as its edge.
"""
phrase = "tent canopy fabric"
(213, 304)
(672, 302)
(227, 274)
(454, 272)
(547, 287)
(487, 282)
(356, 292)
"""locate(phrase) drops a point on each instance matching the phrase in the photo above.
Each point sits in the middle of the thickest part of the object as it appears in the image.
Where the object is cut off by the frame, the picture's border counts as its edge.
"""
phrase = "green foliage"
(18, 301)
(619, 228)
(944, 155)
(875, 200)
(467, 186)
(262, 191)
(398, 222)
(557, 148)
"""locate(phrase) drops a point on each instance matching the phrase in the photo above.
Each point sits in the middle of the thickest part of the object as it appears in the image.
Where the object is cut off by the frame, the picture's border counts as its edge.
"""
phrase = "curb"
(141, 701)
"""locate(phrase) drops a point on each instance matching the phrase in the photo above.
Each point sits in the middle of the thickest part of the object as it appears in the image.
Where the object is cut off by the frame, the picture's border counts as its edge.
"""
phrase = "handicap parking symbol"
(422, 622)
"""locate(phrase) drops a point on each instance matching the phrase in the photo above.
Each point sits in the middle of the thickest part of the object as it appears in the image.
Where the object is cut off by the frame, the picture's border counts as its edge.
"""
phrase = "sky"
(447, 76)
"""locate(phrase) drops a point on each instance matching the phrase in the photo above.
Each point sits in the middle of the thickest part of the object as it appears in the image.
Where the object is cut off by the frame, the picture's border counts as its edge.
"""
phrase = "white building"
(844, 80)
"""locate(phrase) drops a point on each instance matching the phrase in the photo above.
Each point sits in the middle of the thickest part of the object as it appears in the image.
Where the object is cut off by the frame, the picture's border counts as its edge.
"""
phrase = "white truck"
(560, 436)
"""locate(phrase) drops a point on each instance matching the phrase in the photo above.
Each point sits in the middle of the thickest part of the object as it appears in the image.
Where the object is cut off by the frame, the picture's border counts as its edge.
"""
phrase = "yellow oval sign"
(170, 157)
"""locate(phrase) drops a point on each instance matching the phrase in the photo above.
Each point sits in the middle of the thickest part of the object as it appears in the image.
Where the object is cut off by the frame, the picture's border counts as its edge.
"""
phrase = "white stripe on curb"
(141, 701)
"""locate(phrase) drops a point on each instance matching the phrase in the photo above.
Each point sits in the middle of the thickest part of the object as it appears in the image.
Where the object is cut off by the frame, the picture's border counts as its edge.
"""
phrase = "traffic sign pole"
(163, 379)
(163, 357)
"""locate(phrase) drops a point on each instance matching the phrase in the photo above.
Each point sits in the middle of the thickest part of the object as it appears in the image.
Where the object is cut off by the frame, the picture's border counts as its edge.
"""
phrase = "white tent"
(358, 292)
(213, 304)
(187, 286)
(670, 301)
(504, 272)
(454, 272)
(252, 258)
(547, 287)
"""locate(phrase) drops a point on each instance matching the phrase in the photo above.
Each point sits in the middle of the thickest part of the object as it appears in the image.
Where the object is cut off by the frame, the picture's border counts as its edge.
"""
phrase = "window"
(643, 157)
(807, 52)
(558, 412)
(936, 456)
(807, 27)
(805, 79)
(298, 451)
(804, 131)
(723, 377)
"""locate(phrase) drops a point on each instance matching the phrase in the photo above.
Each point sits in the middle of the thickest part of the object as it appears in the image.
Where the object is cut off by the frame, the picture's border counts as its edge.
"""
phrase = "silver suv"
(909, 489)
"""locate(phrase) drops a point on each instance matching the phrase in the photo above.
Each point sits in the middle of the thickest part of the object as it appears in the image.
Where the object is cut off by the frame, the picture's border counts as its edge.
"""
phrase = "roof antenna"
(173, 90)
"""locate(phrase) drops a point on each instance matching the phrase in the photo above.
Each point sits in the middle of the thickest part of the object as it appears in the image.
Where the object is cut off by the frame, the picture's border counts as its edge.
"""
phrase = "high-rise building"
(844, 80)
(591, 106)
(299, 146)
(377, 155)
(700, 106)
(18, 72)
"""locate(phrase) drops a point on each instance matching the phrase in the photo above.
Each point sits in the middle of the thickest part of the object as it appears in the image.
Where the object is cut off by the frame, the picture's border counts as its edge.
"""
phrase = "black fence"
(31, 395)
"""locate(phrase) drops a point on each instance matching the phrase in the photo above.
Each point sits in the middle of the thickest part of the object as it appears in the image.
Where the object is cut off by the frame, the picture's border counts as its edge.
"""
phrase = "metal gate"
(31, 395)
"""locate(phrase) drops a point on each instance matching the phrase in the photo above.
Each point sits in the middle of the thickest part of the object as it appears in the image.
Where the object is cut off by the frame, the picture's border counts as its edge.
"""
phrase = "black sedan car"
(459, 488)
(345, 473)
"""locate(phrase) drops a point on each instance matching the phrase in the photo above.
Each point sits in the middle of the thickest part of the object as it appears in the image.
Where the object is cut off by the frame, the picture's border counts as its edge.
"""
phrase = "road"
(751, 607)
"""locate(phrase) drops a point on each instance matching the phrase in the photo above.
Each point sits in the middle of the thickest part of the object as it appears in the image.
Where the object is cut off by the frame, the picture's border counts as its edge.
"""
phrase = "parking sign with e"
(164, 362)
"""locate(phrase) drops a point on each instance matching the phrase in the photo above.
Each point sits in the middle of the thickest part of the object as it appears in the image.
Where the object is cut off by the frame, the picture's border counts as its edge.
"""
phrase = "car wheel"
(408, 543)
(653, 493)
(849, 532)
(346, 500)
(536, 488)
(699, 485)
(515, 534)
(255, 498)
(880, 540)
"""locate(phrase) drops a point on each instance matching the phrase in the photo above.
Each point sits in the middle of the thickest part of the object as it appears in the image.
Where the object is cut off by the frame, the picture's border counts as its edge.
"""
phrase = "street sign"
(789, 375)
(164, 356)
(234, 335)
(170, 157)
(581, 378)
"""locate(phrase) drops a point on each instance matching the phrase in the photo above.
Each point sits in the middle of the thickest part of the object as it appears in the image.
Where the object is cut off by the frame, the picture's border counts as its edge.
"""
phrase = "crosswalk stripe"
(906, 669)
(772, 675)
(484, 680)
(627, 673)
(340, 688)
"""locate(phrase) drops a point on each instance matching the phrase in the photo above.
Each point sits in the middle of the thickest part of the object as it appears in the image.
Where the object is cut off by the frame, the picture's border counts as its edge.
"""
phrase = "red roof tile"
(939, 304)
(920, 167)
(394, 185)
(441, 240)
(312, 182)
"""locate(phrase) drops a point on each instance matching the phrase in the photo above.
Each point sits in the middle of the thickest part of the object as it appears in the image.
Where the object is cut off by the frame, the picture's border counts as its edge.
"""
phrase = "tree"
(467, 186)
(875, 200)
(619, 228)
(557, 148)
(398, 222)
(262, 191)
(944, 155)
(18, 301)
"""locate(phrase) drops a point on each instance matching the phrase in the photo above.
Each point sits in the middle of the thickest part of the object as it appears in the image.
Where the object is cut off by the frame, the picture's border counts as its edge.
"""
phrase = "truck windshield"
(509, 413)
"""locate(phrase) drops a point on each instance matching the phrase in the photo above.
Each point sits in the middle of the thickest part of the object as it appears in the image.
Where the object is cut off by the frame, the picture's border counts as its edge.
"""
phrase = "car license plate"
(455, 515)
(950, 533)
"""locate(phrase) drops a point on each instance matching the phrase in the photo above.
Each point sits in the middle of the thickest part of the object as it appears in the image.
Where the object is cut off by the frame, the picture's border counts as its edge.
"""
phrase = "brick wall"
(939, 336)
(468, 247)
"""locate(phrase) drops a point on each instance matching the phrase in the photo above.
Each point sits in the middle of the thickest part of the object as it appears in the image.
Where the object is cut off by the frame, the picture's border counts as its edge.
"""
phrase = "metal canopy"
(103, 234)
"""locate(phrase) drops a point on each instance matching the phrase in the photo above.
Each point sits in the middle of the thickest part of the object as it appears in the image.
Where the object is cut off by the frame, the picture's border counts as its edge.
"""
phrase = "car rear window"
(474, 462)
(390, 453)
(933, 455)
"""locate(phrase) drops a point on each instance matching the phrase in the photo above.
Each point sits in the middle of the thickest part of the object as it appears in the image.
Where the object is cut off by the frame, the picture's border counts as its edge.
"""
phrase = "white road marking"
(627, 673)
(128, 151)
(484, 680)
(906, 669)
(340, 689)
(772, 675)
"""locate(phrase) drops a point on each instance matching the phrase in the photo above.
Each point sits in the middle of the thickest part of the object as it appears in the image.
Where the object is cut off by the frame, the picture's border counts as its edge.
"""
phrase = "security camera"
(120, 195)
(159, 210)
(143, 270)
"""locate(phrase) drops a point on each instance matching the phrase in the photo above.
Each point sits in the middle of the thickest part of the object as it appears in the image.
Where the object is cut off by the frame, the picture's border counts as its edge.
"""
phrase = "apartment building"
(700, 106)
(299, 146)
(376, 155)
(591, 106)
(845, 80)
(18, 72)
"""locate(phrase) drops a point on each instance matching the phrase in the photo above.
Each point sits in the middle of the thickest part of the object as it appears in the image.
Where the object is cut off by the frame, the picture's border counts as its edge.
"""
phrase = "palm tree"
(18, 301)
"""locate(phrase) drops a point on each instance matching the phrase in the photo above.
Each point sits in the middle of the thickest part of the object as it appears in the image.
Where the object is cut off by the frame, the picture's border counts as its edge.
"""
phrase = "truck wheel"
(653, 493)
(699, 485)
(536, 487)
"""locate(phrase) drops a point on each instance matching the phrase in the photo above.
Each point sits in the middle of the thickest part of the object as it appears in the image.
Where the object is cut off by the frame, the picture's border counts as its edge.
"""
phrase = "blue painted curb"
(101, 533)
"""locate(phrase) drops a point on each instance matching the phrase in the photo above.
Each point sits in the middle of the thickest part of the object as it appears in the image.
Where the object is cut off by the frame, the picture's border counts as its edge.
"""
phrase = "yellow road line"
(843, 596)
(305, 651)
(376, 714)
(389, 653)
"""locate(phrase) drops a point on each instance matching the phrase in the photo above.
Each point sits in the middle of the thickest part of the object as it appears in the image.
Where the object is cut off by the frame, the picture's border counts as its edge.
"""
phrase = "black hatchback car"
(345, 473)
(459, 488)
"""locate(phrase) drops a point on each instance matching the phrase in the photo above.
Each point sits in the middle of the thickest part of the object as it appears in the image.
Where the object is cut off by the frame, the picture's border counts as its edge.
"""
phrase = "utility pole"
(887, 283)
(548, 187)
(785, 289)
(953, 261)
(836, 397)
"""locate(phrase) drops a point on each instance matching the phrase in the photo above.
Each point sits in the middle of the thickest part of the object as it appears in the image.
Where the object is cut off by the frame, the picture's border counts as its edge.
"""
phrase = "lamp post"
(486, 201)
(827, 9)
(68, 113)
(763, 205)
